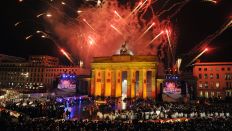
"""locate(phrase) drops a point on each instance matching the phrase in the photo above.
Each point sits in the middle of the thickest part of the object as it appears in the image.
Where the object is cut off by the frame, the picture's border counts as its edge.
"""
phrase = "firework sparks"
(155, 37)
(179, 8)
(94, 26)
(208, 39)
(91, 40)
(146, 30)
(28, 37)
(212, 1)
(18, 23)
(117, 30)
(79, 11)
(63, 3)
(173, 6)
(194, 59)
(140, 3)
(66, 55)
(88, 24)
(117, 14)
(47, 14)
(169, 41)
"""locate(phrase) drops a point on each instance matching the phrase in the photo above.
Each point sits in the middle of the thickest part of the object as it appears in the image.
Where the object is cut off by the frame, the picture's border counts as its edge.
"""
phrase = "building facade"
(214, 79)
(124, 76)
(38, 73)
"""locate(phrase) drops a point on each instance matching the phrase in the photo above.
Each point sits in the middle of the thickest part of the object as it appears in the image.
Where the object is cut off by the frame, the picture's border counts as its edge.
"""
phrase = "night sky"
(193, 23)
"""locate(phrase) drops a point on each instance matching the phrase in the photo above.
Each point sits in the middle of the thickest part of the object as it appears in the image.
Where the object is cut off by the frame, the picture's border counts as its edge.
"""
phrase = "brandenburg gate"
(124, 75)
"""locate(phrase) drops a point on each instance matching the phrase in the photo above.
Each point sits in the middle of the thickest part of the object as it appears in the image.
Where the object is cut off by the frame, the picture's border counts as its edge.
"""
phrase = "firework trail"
(204, 43)
(194, 59)
(146, 30)
(66, 54)
(179, 9)
(88, 24)
(212, 1)
(100, 27)
(173, 6)
(155, 38)
(163, 6)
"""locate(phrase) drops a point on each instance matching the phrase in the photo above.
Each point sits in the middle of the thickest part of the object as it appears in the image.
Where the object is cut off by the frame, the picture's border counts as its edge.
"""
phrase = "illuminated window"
(206, 94)
(201, 93)
(217, 76)
(211, 84)
(200, 76)
(210, 69)
(217, 69)
(205, 76)
(211, 76)
(217, 84)
(212, 94)
(206, 84)
(200, 85)
(229, 76)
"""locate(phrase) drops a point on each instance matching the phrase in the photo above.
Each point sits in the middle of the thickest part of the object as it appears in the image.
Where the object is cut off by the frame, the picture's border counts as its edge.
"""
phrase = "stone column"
(98, 84)
(118, 91)
(107, 83)
(153, 83)
(142, 83)
(103, 83)
(113, 83)
(92, 83)
(128, 83)
(133, 80)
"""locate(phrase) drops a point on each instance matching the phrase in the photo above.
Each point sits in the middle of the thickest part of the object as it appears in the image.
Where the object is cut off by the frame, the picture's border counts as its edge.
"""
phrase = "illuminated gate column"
(153, 84)
(107, 83)
(113, 83)
(131, 83)
(128, 83)
(118, 91)
(92, 83)
(142, 83)
(98, 84)
(103, 83)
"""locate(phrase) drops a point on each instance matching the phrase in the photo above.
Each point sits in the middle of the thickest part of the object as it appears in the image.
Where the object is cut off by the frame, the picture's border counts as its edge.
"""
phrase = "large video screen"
(171, 87)
(67, 84)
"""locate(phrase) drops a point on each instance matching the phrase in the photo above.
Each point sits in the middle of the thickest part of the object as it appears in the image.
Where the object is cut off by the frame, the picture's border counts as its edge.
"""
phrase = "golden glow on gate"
(108, 72)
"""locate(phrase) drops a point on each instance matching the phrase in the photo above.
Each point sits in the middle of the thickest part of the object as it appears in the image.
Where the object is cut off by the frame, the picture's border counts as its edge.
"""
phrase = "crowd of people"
(51, 113)
(43, 124)
(37, 108)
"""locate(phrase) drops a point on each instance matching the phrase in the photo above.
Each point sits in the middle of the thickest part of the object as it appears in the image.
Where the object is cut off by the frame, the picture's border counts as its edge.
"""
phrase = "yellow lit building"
(124, 75)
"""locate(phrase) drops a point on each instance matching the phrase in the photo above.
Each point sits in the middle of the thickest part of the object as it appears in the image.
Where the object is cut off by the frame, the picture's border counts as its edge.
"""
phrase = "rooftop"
(124, 58)
(211, 63)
